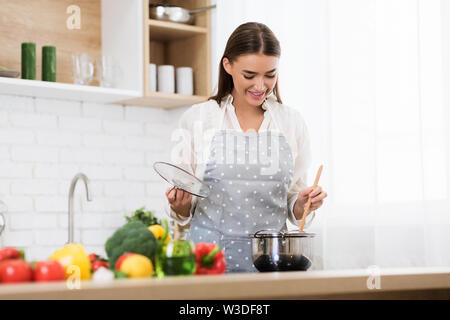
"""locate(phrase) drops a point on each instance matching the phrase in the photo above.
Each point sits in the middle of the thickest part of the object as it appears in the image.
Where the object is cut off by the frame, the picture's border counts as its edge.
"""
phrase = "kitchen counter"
(410, 283)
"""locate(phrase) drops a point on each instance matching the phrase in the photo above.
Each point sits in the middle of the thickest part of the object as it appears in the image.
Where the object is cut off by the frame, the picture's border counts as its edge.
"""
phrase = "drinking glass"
(82, 69)
(105, 70)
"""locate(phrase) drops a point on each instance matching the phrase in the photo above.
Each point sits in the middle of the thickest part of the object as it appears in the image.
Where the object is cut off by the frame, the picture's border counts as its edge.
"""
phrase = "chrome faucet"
(3, 210)
(75, 179)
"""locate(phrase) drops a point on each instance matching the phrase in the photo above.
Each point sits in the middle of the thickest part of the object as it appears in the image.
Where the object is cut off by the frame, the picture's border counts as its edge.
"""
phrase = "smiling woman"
(255, 158)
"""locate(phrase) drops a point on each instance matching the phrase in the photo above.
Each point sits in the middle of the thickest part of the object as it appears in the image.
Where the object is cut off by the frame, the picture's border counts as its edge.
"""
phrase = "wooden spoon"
(308, 203)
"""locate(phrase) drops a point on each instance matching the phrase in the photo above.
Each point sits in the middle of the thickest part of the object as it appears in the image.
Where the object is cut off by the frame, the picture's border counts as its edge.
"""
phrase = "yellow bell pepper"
(158, 231)
(73, 254)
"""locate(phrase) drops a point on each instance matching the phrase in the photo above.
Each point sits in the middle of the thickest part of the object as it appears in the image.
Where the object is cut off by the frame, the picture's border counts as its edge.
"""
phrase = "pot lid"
(271, 233)
(181, 179)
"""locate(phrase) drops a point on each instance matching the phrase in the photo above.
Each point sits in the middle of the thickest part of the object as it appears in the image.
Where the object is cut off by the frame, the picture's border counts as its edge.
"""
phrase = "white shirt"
(201, 121)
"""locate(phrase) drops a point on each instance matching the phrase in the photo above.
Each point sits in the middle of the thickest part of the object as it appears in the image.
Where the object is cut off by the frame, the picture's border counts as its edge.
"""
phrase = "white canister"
(185, 80)
(166, 79)
(152, 77)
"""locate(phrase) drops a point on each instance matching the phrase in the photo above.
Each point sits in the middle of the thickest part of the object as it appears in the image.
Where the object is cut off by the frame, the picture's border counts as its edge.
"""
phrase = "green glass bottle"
(176, 258)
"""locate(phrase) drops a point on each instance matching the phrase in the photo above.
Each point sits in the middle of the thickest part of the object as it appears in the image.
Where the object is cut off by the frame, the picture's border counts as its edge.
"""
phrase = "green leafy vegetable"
(146, 217)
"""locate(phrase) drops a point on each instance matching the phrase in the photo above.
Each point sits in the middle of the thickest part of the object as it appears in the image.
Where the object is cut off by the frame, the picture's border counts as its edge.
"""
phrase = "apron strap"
(222, 116)
(272, 116)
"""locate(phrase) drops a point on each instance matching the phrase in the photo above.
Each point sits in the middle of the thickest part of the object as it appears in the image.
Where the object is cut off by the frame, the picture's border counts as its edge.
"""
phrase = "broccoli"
(131, 237)
(147, 217)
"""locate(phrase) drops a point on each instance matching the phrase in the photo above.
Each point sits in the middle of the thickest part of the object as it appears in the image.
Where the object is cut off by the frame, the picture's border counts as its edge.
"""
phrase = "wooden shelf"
(44, 23)
(172, 43)
(56, 90)
(179, 45)
(164, 100)
(169, 31)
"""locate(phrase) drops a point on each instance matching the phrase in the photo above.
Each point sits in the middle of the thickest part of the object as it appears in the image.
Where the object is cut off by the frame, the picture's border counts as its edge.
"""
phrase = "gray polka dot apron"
(249, 175)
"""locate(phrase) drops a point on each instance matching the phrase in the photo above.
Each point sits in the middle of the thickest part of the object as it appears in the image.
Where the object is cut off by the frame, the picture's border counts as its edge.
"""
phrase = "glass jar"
(176, 258)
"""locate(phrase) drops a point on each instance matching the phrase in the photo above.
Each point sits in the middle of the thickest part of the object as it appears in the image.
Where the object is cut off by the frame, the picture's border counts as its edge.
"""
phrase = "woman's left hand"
(316, 194)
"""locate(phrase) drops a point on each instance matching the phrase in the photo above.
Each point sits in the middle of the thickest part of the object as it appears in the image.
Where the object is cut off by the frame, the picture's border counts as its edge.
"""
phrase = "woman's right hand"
(180, 201)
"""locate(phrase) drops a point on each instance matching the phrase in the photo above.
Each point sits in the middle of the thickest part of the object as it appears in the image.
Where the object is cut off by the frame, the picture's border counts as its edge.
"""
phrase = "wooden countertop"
(422, 283)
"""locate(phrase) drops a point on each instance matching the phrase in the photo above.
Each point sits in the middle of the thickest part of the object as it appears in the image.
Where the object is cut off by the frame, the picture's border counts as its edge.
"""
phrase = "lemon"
(137, 266)
(158, 232)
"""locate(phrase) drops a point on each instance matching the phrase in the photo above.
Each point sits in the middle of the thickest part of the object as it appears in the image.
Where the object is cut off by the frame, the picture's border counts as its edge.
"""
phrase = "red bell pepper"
(11, 253)
(210, 259)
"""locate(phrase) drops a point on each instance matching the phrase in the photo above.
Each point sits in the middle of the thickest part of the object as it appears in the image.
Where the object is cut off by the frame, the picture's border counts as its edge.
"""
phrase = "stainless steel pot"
(282, 251)
(167, 12)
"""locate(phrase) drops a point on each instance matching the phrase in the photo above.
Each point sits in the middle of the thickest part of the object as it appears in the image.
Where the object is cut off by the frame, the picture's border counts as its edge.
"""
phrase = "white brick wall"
(45, 142)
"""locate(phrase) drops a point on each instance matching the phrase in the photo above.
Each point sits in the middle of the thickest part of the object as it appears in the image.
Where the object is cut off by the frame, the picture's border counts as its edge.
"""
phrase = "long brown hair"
(250, 37)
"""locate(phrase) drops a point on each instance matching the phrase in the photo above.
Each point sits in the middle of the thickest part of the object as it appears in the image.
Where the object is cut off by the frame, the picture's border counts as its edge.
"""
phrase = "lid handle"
(256, 233)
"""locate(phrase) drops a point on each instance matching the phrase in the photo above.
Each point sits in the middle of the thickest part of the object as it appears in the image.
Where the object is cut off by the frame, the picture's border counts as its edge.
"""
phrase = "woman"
(250, 149)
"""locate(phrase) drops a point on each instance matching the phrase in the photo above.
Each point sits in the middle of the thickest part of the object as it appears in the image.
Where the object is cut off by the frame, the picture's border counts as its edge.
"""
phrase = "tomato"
(15, 271)
(93, 257)
(50, 270)
(10, 253)
(98, 263)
